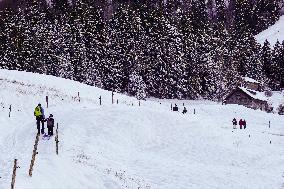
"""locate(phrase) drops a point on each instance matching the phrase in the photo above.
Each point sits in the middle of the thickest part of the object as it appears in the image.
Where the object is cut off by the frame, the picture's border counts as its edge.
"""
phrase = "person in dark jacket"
(234, 123)
(39, 114)
(50, 124)
(184, 110)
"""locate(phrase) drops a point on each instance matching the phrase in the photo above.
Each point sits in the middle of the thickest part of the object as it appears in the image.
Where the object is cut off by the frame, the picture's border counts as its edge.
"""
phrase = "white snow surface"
(124, 146)
(273, 33)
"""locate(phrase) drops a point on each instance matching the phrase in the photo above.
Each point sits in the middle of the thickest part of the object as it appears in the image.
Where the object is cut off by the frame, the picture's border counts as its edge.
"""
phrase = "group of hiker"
(242, 123)
(175, 108)
(40, 119)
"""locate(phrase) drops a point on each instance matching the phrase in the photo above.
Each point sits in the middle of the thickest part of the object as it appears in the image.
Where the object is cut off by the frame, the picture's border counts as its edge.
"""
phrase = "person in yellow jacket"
(39, 114)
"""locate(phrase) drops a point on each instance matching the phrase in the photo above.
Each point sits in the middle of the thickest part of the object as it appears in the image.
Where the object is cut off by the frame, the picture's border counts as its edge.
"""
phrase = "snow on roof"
(248, 79)
(273, 33)
(275, 100)
(254, 94)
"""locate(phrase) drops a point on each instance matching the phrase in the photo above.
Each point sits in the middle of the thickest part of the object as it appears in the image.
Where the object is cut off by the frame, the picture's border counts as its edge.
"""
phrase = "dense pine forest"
(186, 50)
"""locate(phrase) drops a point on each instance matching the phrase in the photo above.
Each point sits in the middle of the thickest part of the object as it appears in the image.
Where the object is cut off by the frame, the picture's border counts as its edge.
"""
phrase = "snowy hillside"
(122, 146)
(273, 33)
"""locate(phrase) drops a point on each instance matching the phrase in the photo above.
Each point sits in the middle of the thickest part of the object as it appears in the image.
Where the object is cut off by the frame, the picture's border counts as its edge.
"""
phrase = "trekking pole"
(14, 174)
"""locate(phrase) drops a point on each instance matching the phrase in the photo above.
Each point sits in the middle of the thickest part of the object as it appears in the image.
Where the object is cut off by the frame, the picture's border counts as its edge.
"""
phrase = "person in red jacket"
(241, 123)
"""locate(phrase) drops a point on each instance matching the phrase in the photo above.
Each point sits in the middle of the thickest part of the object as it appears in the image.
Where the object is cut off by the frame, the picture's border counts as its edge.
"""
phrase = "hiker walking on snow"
(234, 123)
(39, 114)
(241, 123)
(50, 124)
(245, 124)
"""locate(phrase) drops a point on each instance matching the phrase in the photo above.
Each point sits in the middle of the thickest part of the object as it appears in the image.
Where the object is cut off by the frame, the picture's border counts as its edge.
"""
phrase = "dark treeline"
(190, 50)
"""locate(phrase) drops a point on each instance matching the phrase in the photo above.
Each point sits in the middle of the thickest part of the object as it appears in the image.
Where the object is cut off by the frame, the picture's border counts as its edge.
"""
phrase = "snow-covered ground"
(122, 146)
(273, 33)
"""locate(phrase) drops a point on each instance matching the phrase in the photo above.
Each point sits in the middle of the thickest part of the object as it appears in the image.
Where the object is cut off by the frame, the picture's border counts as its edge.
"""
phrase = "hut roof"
(248, 79)
(250, 93)
(254, 94)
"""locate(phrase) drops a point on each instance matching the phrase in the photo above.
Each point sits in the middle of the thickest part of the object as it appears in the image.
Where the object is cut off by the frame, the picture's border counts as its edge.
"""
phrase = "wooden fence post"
(33, 156)
(117, 101)
(171, 106)
(46, 99)
(14, 174)
(100, 100)
(79, 96)
(269, 124)
(56, 139)
(139, 102)
(112, 97)
(10, 109)
(194, 111)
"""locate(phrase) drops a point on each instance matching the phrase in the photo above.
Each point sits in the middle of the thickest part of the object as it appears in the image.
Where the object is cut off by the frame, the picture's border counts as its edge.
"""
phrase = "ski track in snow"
(124, 146)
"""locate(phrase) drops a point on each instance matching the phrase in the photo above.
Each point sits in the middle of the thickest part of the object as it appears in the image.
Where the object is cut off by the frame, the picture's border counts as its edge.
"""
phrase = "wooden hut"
(248, 98)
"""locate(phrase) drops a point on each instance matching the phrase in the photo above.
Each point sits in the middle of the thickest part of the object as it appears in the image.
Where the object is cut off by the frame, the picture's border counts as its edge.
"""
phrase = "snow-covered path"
(124, 146)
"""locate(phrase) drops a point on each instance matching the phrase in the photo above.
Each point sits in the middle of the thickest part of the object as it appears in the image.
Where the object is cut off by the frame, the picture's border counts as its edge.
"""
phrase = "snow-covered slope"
(123, 146)
(273, 33)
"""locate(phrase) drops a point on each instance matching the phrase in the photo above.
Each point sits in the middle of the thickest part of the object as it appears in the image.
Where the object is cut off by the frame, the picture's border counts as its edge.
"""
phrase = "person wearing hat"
(39, 114)
(50, 124)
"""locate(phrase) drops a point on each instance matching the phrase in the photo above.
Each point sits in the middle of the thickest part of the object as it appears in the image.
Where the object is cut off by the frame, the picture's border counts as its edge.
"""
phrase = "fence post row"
(14, 174)
(33, 156)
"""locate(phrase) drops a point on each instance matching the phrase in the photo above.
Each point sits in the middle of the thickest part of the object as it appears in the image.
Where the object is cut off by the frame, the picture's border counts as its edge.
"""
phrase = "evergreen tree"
(121, 50)
(189, 80)
(199, 16)
(266, 13)
(278, 64)
(221, 12)
(137, 86)
(270, 67)
(243, 17)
